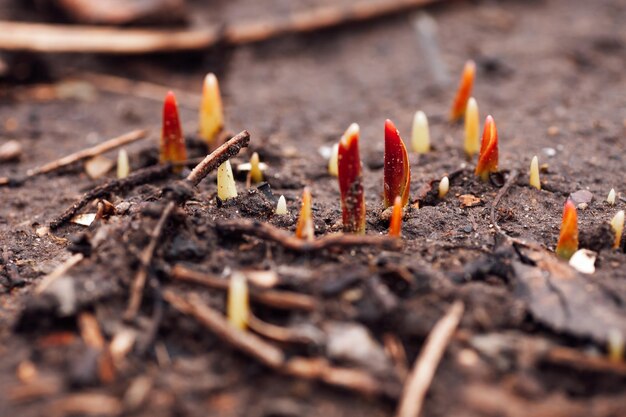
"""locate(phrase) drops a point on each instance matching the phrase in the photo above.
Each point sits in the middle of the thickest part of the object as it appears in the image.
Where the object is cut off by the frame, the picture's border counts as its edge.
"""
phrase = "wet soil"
(552, 75)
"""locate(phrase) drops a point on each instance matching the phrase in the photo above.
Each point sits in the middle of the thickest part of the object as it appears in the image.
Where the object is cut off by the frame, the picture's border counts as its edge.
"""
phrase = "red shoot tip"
(351, 182)
(397, 172)
(172, 139)
(395, 224)
(464, 92)
(568, 239)
(488, 158)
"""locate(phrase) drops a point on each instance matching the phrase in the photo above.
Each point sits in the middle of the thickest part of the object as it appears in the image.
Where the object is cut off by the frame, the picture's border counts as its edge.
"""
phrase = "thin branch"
(349, 378)
(278, 299)
(421, 376)
(308, 368)
(299, 335)
(247, 342)
(509, 183)
(58, 272)
(139, 282)
(513, 175)
(219, 156)
(268, 232)
(83, 154)
(319, 18)
(38, 37)
(99, 149)
(139, 177)
(581, 361)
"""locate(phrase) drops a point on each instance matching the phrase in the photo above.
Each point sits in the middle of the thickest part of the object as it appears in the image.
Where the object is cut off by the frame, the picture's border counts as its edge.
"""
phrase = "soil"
(550, 72)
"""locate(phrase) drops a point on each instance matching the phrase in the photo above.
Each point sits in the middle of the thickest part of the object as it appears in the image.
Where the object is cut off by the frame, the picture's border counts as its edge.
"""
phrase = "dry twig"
(581, 361)
(139, 177)
(426, 364)
(83, 154)
(282, 334)
(39, 37)
(509, 183)
(146, 258)
(216, 158)
(274, 234)
(277, 299)
(246, 342)
(58, 272)
(507, 186)
(268, 354)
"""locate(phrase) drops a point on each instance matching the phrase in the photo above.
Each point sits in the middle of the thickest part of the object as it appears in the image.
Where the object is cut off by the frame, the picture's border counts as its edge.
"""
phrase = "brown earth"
(552, 75)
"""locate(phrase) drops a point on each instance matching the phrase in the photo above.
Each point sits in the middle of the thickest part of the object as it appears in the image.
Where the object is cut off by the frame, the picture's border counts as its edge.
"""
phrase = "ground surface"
(552, 75)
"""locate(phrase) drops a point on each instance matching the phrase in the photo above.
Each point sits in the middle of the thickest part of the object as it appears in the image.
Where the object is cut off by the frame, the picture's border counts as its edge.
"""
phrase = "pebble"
(553, 130)
(583, 260)
(10, 151)
(581, 198)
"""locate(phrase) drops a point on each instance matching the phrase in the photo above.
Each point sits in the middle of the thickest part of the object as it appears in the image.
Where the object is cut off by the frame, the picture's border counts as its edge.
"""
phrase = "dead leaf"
(566, 301)
(98, 166)
(469, 200)
(84, 219)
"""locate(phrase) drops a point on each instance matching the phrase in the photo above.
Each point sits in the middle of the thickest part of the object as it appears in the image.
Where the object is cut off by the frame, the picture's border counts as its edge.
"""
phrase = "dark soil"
(550, 72)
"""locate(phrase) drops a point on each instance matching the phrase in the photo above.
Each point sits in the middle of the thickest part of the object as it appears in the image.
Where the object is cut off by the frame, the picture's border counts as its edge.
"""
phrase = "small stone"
(10, 151)
(583, 260)
(122, 208)
(354, 344)
(553, 130)
(581, 198)
(549, 152)
(468, 228)
(98, 166)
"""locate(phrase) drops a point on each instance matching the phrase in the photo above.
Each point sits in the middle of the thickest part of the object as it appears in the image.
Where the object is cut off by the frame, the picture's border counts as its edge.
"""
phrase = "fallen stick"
(99, 149)
(349, 378)
(139, 177)
(37, 37)
(277, 299)
(421, 376)
(86, 404)
(40, 37)
(268, 232)
(580, 361)
(513, 175)
(83, 154)
(216, 158)
(247, 342)
(505, 188)
(322, 17)
(281, 334)
(58, 272)
(145, 258)
(268, 354)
